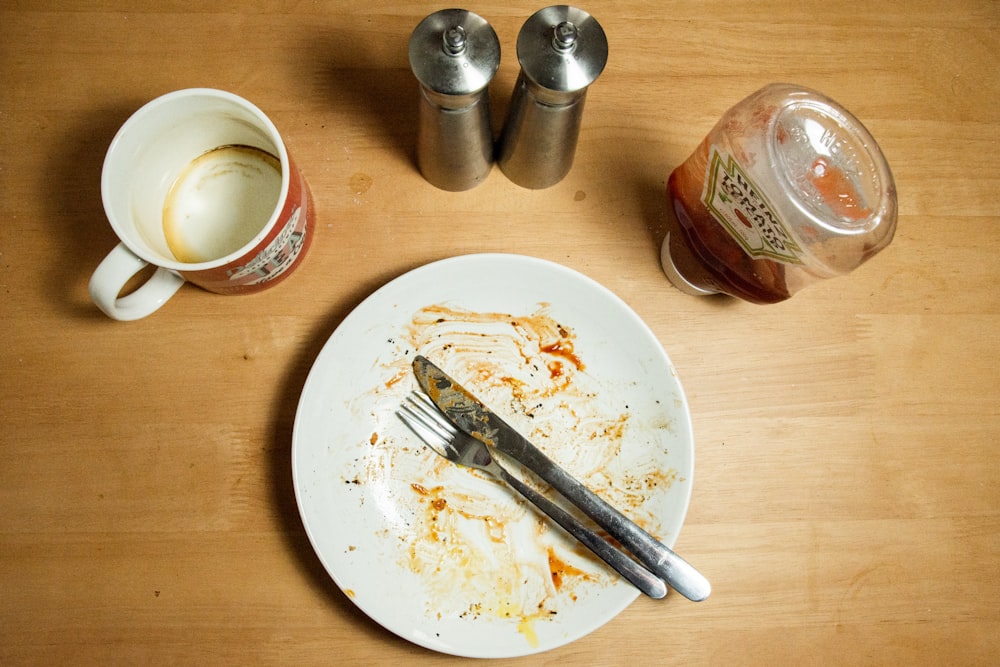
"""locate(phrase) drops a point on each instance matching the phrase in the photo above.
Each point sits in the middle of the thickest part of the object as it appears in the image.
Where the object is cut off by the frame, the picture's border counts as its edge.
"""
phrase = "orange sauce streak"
(560, 569)
(564, 348)
(396, 378)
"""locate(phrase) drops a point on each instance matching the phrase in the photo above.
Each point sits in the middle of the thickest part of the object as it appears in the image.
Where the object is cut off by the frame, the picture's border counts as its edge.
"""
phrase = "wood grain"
(845, 504)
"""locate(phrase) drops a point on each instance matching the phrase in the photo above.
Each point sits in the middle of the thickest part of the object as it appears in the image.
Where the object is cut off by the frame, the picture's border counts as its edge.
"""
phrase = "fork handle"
(640, 577)
(658, 557)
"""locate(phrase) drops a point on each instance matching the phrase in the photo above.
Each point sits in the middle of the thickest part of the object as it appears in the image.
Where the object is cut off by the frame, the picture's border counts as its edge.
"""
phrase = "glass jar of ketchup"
(787, 189)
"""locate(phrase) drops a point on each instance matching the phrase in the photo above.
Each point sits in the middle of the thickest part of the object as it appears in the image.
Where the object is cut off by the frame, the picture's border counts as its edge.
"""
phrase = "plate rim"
(409, 275)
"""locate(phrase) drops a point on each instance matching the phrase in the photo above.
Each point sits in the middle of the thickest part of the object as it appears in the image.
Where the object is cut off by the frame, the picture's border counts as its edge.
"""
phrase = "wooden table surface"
(845, 503)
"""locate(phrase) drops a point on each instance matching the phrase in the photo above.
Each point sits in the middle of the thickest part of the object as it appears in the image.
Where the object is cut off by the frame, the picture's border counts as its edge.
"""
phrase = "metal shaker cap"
(454, 52)
(562, 49)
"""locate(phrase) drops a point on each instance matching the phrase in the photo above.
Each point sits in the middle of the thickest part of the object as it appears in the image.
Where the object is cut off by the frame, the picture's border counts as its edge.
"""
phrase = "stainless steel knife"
(470, 415)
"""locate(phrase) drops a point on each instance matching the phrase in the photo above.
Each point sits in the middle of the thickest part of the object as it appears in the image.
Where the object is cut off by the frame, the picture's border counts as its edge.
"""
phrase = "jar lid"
(562, 49)
(454, 52)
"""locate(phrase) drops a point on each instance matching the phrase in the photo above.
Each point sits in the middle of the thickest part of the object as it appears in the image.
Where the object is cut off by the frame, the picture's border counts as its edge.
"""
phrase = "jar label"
(741, 208)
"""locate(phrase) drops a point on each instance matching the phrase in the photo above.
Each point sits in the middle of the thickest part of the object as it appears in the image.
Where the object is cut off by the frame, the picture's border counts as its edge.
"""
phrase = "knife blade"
(470, 415)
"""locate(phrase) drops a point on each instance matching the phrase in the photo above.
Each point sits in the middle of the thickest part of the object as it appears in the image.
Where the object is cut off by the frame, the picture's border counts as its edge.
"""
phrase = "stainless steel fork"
(424, 419)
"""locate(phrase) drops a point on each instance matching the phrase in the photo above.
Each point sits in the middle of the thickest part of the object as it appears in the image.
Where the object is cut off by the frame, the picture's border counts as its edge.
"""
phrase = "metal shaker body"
(454, 54)
(562, 50)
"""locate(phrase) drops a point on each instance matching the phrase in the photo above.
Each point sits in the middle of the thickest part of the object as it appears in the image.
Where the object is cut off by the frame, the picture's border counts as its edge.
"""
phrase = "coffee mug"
(199, 184)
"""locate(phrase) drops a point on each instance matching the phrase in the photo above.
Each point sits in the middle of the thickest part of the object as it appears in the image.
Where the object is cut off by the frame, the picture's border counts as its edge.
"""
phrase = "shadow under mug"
(151, 157)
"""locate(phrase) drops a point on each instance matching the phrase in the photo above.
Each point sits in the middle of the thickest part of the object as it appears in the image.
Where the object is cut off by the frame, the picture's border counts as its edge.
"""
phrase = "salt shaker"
(562, 50)
(454, 54)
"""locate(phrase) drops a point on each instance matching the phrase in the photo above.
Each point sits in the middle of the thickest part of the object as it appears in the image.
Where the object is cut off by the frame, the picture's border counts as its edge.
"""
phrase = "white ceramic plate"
(447, 557)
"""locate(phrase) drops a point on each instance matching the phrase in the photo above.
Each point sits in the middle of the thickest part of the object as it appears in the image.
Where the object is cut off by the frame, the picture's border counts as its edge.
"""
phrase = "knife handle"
(639, 576)
(658, 557)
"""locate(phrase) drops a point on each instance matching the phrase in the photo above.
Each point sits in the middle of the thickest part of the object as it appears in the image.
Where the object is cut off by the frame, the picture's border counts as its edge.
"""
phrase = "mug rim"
(244, 250)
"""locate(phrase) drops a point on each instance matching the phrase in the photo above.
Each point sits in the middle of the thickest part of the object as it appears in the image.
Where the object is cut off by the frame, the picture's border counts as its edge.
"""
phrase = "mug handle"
(115, 270)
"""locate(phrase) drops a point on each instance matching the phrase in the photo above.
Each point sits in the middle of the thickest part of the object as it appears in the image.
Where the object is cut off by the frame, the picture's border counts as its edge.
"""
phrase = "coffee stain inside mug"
(220, 201)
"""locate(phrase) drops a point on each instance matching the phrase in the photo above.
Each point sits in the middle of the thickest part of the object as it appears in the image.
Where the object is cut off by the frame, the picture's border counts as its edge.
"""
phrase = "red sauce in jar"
(837, 191)
(706, 254)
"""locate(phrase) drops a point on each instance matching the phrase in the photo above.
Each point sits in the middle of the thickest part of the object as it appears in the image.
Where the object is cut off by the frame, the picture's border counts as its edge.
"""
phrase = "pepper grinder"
(454, 55)
(562, 50)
